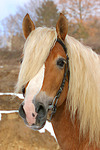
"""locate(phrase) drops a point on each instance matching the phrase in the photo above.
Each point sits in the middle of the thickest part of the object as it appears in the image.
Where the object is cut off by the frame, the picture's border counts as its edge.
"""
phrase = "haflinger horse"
(60, 81)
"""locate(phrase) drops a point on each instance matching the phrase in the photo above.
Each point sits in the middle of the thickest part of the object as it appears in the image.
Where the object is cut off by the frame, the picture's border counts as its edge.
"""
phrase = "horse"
(60, 80)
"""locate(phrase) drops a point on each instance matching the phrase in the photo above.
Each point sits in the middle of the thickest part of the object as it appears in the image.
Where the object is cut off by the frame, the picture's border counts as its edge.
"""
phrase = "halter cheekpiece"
(53, 106)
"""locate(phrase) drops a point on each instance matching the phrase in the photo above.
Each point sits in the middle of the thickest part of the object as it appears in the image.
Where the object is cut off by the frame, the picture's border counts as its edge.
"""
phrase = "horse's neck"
(67, 133)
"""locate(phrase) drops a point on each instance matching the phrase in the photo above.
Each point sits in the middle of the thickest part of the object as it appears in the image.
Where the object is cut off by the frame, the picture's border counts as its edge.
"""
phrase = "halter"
(53, 106)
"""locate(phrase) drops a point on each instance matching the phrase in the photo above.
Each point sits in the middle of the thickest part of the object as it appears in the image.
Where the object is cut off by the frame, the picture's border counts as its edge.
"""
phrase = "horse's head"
(48, 89)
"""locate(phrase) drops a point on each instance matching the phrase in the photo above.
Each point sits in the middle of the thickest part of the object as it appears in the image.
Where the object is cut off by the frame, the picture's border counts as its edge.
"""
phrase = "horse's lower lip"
(37, 127)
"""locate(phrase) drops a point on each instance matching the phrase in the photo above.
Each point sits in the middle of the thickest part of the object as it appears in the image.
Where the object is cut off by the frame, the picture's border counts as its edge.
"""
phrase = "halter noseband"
(53, 106)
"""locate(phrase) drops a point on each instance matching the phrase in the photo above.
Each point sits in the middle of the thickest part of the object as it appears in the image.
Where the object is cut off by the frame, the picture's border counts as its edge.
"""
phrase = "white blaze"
(32, 90)
(35, 84)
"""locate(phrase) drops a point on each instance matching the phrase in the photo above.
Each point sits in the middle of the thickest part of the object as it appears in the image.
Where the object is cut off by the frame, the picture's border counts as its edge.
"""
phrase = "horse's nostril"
(33, 114)
(40, 109)
(21, 111)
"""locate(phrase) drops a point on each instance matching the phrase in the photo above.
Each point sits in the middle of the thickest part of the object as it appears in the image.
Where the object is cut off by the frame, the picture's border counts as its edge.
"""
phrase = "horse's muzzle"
(38, 120)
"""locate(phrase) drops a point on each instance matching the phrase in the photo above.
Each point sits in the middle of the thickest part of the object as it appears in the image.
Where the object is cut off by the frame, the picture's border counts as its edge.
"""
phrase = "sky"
(8, 7)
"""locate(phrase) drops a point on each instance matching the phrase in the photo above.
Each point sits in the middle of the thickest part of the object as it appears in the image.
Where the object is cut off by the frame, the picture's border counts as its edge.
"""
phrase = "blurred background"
(84, 24)
(83, 17)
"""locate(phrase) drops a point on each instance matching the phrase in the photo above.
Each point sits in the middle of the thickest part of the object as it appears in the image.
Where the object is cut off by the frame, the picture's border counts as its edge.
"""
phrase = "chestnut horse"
(60, 80)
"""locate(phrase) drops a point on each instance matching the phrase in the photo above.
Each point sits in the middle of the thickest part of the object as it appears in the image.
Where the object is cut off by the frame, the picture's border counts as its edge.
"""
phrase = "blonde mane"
(36, 51)
(84, 85)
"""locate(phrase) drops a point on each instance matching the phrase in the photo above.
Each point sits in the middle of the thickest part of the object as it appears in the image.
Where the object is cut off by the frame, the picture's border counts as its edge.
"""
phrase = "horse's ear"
(62, 27)
(27, 25)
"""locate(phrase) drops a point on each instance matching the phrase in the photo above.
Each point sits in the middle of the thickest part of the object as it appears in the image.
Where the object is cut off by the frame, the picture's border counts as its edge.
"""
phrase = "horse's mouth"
(38, 125)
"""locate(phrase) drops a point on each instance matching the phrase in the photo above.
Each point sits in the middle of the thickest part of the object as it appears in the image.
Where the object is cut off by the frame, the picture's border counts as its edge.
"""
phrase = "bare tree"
(12, 25)
(11, 28)
(80, 10)
(80, 14)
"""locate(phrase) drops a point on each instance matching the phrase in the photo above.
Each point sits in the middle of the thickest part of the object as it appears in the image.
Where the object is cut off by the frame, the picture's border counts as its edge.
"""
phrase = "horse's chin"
(36, 126)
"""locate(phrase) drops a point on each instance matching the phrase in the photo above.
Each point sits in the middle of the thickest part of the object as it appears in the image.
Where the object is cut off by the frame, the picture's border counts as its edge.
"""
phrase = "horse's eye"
(23, 91)
(60, 62)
